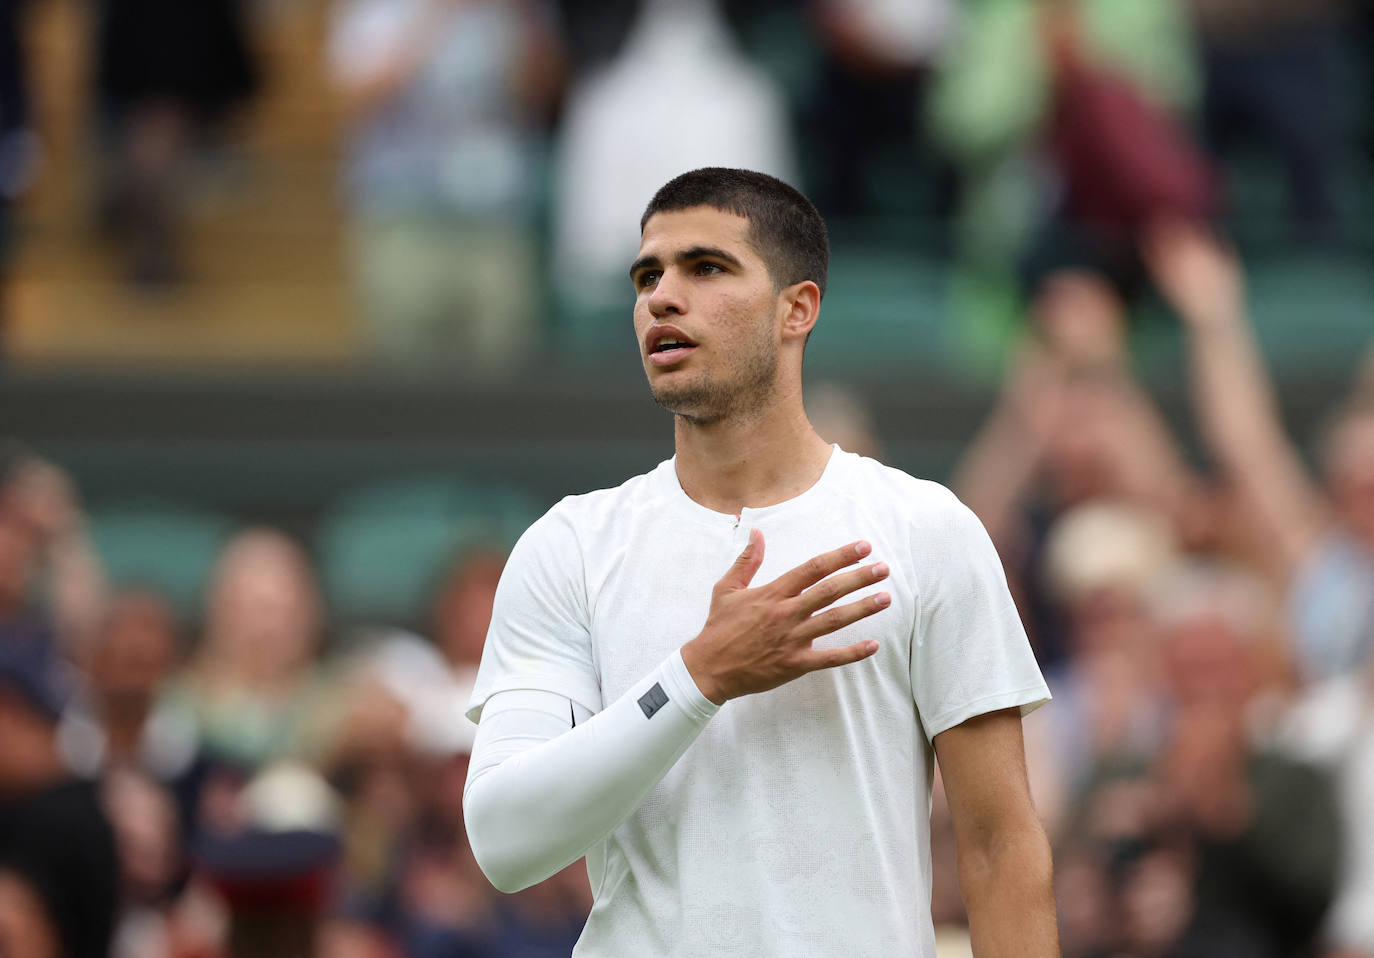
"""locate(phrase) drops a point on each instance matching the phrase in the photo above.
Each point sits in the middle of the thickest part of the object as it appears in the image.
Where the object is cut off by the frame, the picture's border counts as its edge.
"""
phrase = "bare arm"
(1232, 392)
(1005, 872)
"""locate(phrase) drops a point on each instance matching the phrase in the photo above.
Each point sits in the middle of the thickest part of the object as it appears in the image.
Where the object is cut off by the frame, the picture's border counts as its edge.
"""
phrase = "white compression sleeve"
(542, 791)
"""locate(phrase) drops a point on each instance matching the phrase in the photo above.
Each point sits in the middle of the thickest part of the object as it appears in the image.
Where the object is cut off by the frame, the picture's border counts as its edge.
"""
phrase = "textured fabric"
(797, 824)
(600, 771)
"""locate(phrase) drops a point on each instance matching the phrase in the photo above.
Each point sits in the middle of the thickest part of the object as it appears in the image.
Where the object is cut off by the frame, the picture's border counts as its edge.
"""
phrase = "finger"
(831, 620)
(815, 569)
(828, 590)
(818, 659)
(741, 571)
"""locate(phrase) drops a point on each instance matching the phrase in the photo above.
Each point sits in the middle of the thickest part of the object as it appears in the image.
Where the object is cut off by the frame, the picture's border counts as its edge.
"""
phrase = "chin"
(690, 403)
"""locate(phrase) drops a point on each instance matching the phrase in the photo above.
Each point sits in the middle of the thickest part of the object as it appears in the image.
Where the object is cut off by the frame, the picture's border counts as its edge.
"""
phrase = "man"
(745, 765)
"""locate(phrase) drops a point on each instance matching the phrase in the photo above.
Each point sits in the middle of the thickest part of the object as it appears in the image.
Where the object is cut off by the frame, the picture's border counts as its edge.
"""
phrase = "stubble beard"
(743, 390)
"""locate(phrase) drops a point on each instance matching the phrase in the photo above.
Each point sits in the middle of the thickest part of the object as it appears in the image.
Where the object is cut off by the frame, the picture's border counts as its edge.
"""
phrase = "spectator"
(150, 841)
(58, 868)
(1064, 117)
(122, 722)
(1333, 726)
(400, 760)
(462, 609)
(251, 687)
(166, 72)
(272, 856)
(444, 100)
(1218, 845)
(1102, 562)
(877, 56)
(50, 576)
(1274, 83)
(679, 62)
(1322, 537)
(1059, 437)
(1265, 828)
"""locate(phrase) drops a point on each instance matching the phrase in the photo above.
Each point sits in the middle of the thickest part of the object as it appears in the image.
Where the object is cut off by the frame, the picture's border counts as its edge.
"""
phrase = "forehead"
(699, 226)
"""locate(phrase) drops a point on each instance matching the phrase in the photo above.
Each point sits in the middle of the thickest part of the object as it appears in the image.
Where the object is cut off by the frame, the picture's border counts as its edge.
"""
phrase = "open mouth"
(666, 346)
(672, 346)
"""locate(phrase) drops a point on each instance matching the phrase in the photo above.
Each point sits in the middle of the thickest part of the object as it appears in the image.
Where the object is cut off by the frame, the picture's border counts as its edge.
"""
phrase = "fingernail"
(882, 599)
(862, 548)
(870, 646)
(880, 570)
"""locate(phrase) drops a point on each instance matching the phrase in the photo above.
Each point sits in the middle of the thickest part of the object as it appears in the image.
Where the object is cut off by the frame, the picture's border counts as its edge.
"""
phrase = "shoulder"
(925, 506)
(589, 519)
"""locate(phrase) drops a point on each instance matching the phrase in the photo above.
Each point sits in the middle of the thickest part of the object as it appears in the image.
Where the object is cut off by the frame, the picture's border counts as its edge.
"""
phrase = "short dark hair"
(784, 227)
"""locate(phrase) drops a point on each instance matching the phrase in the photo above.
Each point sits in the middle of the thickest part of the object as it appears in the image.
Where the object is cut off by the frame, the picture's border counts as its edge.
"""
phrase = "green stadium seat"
(1314, 311)
(883, 308)
(169, 548)
(383, 547)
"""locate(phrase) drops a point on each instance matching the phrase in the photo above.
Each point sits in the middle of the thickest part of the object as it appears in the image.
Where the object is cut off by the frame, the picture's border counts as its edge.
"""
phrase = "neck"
(752, 461)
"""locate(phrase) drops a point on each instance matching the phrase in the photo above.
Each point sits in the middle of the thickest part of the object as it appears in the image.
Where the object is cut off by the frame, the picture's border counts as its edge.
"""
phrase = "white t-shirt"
(797, 824)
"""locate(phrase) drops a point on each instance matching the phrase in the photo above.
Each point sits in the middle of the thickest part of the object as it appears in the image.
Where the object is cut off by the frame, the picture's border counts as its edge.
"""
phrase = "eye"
(710, 269)
(647, 278)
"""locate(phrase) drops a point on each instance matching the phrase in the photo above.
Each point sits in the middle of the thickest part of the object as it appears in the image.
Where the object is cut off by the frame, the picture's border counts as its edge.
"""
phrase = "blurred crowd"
(1207, 768)
(263, 777)
(237, 786)
(494, 155)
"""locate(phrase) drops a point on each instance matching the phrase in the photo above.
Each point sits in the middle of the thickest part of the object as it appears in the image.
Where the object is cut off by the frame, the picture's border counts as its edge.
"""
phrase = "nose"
(668, 296)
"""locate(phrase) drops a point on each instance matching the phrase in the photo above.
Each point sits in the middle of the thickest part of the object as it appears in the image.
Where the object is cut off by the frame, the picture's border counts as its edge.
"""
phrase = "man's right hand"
(757, 639)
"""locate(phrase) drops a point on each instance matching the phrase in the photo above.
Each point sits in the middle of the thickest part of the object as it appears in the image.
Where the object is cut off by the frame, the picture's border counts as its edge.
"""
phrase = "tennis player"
(724, 681)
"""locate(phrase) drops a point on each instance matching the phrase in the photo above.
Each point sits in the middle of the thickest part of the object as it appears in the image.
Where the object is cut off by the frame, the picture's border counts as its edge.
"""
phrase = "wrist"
(701, 675)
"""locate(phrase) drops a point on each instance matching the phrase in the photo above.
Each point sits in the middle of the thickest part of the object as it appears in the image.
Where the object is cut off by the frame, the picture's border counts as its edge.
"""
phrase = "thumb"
(741, 571)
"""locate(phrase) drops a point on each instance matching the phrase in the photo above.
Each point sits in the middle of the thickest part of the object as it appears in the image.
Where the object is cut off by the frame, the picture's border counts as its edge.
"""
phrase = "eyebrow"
(689, 255)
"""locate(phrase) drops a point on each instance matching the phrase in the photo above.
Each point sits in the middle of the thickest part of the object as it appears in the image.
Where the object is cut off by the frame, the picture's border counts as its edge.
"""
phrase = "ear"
(799, 306)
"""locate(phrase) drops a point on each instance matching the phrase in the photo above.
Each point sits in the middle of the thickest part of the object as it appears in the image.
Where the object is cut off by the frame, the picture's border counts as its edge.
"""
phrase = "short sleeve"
(540, 636)
(969, 653)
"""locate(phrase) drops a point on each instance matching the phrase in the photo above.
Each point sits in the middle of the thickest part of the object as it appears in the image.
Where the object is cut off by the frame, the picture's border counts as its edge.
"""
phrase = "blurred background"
(309, 307)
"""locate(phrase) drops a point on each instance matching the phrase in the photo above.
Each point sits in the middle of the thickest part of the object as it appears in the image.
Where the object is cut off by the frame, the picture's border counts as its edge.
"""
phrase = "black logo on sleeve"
(653, 700)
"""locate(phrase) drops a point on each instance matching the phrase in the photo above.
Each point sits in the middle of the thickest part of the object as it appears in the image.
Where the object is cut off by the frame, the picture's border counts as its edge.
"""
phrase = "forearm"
(1009, 894)
(1239, 414)
(1235, 399)
(535, 803)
